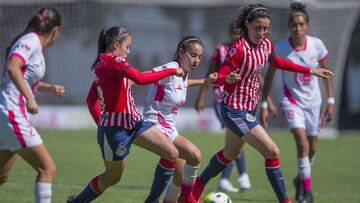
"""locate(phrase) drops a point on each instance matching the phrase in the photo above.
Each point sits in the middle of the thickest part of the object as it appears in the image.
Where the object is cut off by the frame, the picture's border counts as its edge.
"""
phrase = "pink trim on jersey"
(289, 96)
(22, 106)
(160, 93)
(16, 129)
(162, 121)
(293, 46)
(19, 56)
(324, 57)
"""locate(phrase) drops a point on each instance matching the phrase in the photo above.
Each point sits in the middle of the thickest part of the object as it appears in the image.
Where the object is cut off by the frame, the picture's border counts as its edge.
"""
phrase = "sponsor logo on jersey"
(179, 87)
(25, 47)
(250, 117)
(232, 51)
(119, 59)
(121, 150)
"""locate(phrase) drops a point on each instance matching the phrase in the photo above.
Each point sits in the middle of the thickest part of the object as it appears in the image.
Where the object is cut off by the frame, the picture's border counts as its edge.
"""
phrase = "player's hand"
(211, 79)
(179, 72)
(58, 90)
(199, 104)
(321, 72)
(264, 117)
(329, 113)
(272, 109)
(233, 77)
(32, 106)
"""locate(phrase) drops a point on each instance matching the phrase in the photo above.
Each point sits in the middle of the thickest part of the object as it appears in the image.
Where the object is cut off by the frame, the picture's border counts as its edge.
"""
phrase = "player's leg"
(262, 142)
(39, 158)
(244, 179)
(174, 187)
(233, 145)
(155, 141)
(7, 161)
(191, 153)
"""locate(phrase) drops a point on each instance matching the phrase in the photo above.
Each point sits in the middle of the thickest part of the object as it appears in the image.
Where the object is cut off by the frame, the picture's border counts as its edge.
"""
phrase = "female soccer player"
(301, 96)
(216, 61)
(25, 67)
(244, 60)
(112, 106)
(162, 103)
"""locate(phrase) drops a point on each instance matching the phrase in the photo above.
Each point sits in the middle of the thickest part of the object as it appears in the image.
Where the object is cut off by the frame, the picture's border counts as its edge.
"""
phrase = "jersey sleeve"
(272, 52)
(92, 101)
(322, 52)
(234, 57)
(24, 49)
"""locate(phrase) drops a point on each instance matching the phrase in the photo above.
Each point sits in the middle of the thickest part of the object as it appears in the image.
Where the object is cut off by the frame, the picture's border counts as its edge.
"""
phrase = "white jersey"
(16, 130)
(164, 99)
(302, 89)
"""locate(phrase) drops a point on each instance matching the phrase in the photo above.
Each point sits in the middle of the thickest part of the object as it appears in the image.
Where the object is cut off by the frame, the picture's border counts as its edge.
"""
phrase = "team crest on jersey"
(250, 117)
(266, 51)
(120, 150)
(232, 51)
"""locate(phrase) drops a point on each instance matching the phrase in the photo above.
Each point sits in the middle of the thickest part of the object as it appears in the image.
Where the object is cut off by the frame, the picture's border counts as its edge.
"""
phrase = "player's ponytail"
(250, 13)
(185, 44)
(41, 23)
(108, 36)
(296, 9)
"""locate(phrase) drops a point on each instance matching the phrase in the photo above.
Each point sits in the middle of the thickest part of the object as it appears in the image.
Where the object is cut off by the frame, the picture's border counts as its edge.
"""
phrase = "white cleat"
(244, 181)
(225, 185)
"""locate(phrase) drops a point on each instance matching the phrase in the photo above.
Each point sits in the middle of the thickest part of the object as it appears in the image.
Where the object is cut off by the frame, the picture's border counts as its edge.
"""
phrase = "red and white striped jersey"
(110, 100)
(114, 91)
(249, 60)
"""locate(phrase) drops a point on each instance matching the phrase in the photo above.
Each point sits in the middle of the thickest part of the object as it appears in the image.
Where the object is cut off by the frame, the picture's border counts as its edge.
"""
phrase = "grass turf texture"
(336, 173)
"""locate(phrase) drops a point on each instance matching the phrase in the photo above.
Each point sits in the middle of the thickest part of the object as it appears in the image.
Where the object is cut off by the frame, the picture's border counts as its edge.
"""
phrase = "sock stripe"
(220, 156)
(272, 163)
(94, 184)
(166, 164)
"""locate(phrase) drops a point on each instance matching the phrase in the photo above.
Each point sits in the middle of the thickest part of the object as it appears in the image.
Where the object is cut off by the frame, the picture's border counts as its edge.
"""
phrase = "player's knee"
(195, 155)
(49, 170)
(172, 153)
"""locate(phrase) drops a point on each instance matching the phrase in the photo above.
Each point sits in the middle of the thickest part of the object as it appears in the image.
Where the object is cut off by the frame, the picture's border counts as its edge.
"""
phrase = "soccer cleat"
(308, 197)
(71, 199)
(188, 199)
(286, 201)
(225, 185)
(299, 189)
(244, 181)
(198, 189)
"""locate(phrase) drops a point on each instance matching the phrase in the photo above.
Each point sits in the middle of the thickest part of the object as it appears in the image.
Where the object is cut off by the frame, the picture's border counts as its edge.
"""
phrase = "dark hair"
(41, 23)
(185, 44)
(106, 37)
(296, 9)
(250, 13)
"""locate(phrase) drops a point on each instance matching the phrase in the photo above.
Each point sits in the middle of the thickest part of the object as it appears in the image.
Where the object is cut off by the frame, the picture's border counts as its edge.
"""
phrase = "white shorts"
(16, 132)
(165, 126)
(308, 119)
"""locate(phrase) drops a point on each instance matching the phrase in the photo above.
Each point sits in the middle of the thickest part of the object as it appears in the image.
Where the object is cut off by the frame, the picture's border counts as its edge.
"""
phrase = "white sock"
(189, 174)
(172, 192)
(304, 167)
(42, 192)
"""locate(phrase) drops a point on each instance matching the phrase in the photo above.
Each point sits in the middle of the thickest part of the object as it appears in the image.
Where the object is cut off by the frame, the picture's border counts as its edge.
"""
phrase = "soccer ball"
(217, 197)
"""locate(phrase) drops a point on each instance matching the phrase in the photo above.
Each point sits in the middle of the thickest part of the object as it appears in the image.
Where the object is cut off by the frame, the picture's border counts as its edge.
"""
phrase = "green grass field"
(336, 173)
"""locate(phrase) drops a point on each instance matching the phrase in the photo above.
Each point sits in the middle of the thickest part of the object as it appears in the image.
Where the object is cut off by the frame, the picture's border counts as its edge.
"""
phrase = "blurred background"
(157, 26)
